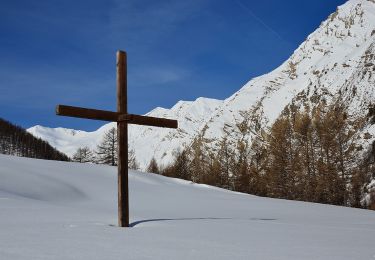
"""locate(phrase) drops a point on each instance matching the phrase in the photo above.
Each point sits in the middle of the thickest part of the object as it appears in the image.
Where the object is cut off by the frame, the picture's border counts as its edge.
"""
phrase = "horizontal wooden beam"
(148, 120)
(103, 115)
(87, 113)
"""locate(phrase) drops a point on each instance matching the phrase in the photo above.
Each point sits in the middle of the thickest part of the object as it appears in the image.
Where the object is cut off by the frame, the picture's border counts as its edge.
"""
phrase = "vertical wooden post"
(123, 119)
(122, 141)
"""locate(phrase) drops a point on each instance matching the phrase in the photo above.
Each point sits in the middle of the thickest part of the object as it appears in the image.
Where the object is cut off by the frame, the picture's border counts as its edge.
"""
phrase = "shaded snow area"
(56, 210)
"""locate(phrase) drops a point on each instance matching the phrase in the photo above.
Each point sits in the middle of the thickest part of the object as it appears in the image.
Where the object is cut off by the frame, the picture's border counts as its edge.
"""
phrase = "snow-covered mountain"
(336, 61)
(58, 210)
(147, 142)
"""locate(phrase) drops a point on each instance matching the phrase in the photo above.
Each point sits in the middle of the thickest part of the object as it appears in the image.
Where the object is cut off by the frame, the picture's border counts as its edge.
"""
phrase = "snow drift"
(57, 210)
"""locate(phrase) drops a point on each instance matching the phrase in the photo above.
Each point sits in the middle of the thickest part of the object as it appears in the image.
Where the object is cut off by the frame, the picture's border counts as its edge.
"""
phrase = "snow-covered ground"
(57, 210)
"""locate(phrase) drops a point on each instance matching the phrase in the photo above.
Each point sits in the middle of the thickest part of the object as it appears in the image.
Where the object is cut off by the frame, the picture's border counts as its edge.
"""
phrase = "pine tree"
(280, 156)
(258, 165)
(225, 156)
(214, 169)
(132, 160)
(153, 166)
(240, 168)
(304, 143)
(107, 149)
(181, 166)
(335, 151)
(198, 161)
(357, 187)
(83, 155)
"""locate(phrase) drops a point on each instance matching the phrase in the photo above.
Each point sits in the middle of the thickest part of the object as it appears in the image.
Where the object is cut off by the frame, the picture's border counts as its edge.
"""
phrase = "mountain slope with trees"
(15, 140)
(309, 156)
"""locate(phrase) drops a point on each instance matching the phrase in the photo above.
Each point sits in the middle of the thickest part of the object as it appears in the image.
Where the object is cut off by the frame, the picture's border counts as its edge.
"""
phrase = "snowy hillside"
(55, 210)
(337, 61)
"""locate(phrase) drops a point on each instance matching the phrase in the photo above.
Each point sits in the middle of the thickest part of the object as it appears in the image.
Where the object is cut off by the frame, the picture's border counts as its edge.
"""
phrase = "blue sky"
(63, 52)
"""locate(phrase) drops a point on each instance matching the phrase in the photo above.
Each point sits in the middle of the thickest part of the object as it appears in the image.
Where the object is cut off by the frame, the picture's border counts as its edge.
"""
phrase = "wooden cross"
(123, 119)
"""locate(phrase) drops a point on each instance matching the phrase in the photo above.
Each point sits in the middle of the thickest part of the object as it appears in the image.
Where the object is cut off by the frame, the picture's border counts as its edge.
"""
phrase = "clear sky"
(63, 52)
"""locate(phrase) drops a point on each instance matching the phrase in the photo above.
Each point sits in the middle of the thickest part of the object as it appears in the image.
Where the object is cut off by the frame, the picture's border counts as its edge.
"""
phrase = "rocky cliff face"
(336, 63)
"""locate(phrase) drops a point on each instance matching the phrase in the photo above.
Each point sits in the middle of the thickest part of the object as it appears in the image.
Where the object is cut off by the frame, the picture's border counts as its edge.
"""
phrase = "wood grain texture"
(87, 113)
(148, 120)
(122, 141)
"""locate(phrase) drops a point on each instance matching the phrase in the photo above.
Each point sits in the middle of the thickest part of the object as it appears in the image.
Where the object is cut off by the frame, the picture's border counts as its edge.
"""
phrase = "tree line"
(15, 140)
(305, 155)
(105, 152)
(309, 156)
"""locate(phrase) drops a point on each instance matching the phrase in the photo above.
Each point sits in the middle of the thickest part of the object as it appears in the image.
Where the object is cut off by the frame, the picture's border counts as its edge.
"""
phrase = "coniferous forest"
(15, 140)
(308, 156)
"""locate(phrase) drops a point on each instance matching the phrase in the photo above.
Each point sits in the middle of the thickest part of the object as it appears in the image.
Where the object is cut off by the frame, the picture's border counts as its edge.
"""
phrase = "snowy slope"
(55, 210)
(336, 61)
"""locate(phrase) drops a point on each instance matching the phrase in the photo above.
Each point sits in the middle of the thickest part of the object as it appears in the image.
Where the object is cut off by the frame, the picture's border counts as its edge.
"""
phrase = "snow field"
(56, 210)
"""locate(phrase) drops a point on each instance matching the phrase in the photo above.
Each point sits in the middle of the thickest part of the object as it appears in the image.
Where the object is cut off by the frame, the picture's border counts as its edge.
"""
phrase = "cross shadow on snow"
(135, 223)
